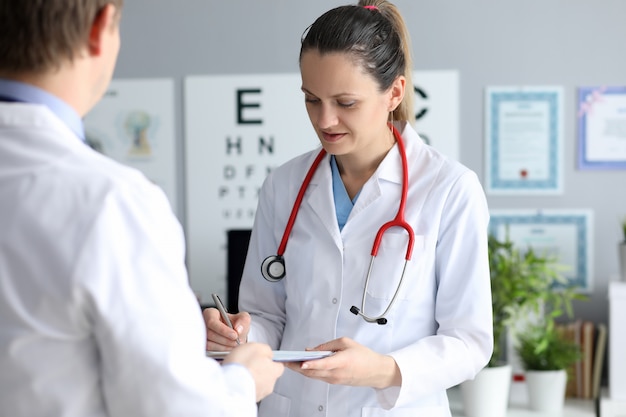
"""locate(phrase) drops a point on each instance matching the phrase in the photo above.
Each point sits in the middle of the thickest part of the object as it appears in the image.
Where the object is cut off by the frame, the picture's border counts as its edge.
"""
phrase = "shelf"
(574, 407)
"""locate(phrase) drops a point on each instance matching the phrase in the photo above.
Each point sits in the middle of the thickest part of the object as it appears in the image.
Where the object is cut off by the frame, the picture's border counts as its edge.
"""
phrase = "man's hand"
(257, 357)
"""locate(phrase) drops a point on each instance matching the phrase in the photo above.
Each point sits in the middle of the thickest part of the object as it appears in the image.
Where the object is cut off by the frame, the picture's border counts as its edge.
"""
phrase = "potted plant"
(543, 348)
(545, 353)
(519, 281)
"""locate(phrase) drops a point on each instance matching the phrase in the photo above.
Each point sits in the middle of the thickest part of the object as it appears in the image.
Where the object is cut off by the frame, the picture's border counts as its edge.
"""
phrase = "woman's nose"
(327, 117)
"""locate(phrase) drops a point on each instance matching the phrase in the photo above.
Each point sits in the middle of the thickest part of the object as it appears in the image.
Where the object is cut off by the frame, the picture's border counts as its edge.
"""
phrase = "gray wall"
(570, 43)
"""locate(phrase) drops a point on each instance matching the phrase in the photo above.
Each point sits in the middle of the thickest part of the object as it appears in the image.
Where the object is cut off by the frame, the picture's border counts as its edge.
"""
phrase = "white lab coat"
(439, 331)
(96, 314)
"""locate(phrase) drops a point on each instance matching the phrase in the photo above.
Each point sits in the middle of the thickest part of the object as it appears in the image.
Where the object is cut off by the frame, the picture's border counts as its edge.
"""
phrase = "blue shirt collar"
(18, 91)
(343, 204)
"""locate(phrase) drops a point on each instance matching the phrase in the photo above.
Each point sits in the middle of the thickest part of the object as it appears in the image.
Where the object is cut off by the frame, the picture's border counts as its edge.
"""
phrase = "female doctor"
(316, 284)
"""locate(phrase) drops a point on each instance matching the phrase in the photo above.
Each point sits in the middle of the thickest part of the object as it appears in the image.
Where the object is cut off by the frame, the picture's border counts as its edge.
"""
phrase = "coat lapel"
(320, 200)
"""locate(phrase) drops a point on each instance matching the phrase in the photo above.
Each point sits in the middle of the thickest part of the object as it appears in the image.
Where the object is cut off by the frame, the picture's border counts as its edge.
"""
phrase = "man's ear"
(396, 92)
(103, 21)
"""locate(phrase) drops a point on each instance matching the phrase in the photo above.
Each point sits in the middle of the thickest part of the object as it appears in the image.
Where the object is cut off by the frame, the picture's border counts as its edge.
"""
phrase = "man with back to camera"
(96, 314)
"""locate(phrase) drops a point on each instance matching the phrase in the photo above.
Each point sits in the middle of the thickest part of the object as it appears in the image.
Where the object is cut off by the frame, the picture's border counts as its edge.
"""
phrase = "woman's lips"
(332, 137)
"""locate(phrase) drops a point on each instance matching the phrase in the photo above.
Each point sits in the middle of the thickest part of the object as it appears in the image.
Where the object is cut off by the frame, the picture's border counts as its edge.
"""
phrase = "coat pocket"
(389, 264)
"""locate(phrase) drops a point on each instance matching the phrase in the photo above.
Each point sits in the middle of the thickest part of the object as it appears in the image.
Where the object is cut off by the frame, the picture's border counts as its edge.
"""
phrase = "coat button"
(334, 301)
(320, 408)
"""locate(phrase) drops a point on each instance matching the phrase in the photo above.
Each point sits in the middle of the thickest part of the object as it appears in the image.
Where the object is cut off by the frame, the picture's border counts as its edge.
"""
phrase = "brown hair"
(376, 37)
(38, 35)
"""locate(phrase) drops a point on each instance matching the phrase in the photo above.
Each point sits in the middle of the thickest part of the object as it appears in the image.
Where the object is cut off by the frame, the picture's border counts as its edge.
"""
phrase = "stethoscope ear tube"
(273, 268)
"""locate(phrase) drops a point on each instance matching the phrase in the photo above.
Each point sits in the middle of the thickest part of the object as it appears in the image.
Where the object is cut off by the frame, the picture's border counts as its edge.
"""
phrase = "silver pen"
(224, 313)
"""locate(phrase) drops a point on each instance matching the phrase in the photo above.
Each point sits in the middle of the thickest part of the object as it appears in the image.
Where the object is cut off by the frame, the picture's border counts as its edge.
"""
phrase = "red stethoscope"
(273, 267)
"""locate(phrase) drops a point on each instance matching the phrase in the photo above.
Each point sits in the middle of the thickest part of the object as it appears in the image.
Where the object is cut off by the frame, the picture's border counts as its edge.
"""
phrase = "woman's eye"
(311, 100)
(346, 103)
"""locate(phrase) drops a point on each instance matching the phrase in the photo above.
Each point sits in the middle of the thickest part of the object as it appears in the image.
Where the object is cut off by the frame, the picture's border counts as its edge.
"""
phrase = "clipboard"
(281, 355)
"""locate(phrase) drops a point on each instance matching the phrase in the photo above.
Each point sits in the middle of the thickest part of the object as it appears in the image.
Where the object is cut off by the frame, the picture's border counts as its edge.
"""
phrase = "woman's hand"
(351, 364)
(221, 337)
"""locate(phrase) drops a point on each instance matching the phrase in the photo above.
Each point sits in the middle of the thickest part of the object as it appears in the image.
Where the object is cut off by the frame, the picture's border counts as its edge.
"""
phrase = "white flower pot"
(546, 390)
(487, 395)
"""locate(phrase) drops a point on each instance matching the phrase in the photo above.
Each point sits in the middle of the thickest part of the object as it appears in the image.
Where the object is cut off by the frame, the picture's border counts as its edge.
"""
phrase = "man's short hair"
(39, 35)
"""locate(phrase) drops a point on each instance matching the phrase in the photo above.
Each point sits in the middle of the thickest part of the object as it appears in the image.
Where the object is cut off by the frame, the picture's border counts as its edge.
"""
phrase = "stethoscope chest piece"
(273, 268)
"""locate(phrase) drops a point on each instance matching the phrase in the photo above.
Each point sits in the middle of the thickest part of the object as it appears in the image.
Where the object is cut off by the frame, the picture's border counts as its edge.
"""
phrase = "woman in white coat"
(356, 78)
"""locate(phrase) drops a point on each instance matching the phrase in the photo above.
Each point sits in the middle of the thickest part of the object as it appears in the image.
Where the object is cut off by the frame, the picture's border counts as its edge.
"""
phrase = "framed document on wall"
(602, 127)
(523, 129)
(565, 234)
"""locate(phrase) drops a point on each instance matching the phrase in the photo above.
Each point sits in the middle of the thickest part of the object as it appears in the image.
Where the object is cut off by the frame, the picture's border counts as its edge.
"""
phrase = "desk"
(574, 407)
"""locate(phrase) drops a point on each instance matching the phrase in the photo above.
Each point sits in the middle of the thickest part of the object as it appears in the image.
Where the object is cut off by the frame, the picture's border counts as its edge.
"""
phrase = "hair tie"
(370, 7)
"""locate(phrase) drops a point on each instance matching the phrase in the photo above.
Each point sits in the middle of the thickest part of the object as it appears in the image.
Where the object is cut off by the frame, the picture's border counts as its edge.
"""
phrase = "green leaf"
(522, 282)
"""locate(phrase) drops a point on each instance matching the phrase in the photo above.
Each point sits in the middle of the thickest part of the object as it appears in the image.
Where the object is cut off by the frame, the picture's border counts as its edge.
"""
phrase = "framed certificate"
(567, 235)
(602, 128)
(523, 129)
